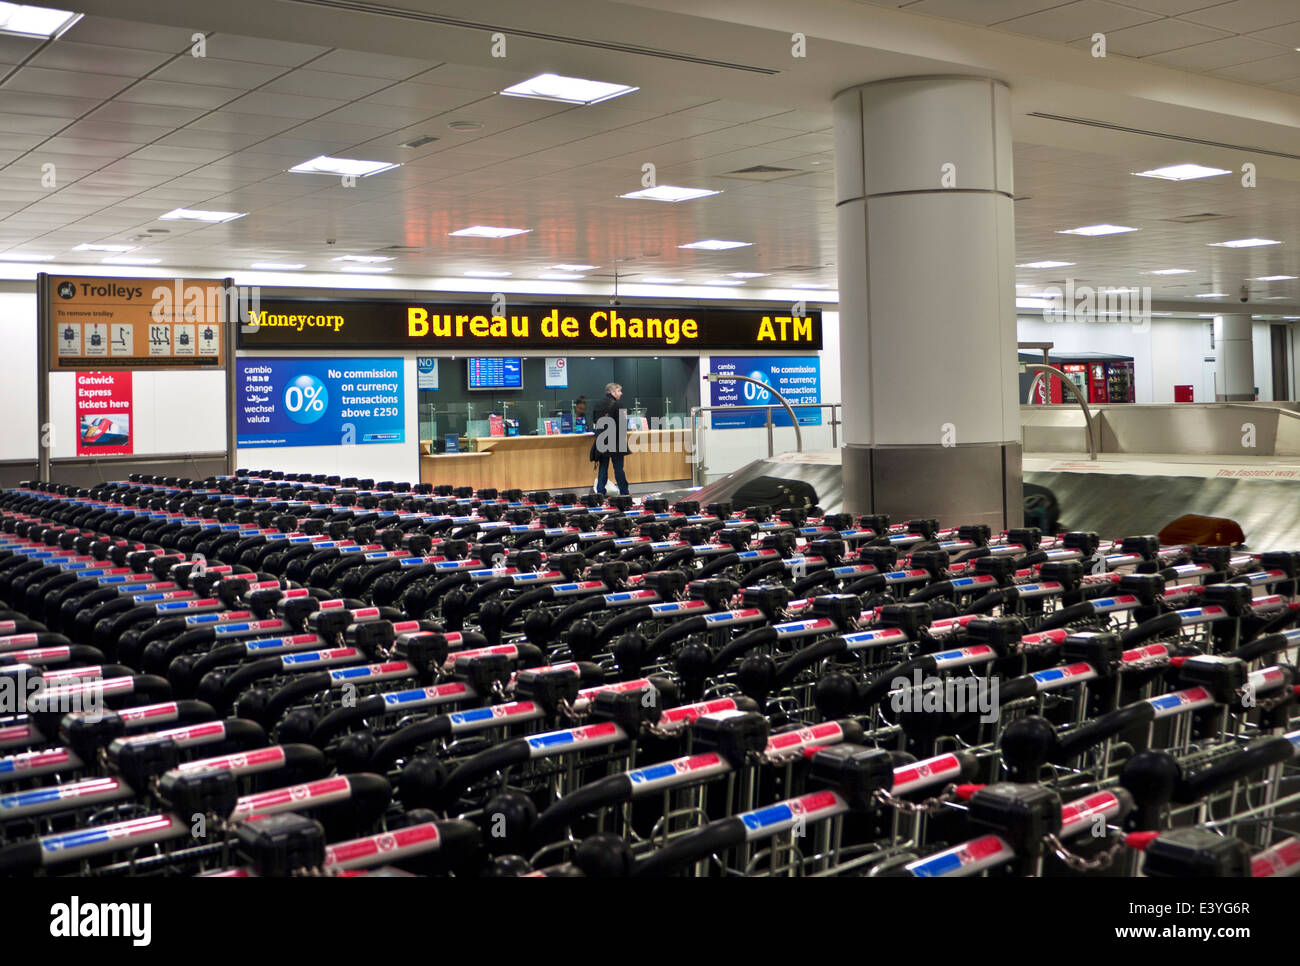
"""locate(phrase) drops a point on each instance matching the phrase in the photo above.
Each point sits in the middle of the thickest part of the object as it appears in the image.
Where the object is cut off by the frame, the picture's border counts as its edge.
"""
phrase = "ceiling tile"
(284, 105)
(118, 61)
(1266, 71)
(321, 83)
(258, 51)
(372, 65)
(1157, 37)
(215, 70)
(1082, 18)
(202, 96)
(985, 12)
(110, 32)
(1218, 53)
(1243, 16)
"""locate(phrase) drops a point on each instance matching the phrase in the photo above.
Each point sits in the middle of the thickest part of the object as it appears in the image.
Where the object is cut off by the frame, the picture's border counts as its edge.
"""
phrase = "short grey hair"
(610, 387)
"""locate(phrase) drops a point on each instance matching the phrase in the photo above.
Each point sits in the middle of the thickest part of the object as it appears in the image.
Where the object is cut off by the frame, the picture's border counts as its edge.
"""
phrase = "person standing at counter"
(580, 414)
(610, 444)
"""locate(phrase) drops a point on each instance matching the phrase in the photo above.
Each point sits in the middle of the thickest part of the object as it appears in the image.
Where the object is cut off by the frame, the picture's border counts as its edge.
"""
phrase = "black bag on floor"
(775, 492)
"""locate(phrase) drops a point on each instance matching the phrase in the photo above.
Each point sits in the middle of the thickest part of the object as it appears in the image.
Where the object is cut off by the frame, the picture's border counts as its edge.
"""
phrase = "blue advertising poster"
(797, 378)
(319, 402)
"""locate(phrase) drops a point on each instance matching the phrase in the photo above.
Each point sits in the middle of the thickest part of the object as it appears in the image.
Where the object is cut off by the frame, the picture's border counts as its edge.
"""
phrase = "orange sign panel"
(135, 323)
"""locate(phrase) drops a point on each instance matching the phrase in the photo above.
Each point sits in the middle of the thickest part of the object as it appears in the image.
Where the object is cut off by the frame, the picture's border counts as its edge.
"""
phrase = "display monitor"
(494, 373)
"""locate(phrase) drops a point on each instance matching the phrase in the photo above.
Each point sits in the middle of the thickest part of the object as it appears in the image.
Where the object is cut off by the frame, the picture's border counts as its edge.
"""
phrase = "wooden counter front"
(555, 462)
(457, 469)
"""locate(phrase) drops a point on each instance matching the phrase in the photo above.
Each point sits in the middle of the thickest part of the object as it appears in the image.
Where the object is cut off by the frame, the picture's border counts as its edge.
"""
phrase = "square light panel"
(487, 231)
(668, 192)
(341, 167)
(194, 214)
(716, 245)
(1094, 230)
(25, 20)
(567, 90)
(1181, 172)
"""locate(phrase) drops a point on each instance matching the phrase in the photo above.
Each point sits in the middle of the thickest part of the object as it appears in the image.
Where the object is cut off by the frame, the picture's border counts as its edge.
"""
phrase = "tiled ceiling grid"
(136, 126)
(1252, 41)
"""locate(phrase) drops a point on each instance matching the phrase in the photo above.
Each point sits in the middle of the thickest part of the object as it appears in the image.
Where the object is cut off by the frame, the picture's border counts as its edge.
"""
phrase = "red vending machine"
(1103, 378)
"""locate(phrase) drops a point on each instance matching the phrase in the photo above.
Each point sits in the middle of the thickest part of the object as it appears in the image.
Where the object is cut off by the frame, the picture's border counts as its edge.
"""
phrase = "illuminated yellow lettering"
(765, 330)
(417, 322)
(551, 324)
(500, 327)
(442, 326)
(690, 329)
(478, 326)
(617, 326)
(672, 330)
(460, 325)
(519, 326)
(569, 327)
(598, 332)
(803, 329)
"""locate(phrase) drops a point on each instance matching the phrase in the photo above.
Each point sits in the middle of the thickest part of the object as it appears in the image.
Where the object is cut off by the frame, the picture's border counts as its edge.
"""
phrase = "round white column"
(1234, 359)
(927, 300)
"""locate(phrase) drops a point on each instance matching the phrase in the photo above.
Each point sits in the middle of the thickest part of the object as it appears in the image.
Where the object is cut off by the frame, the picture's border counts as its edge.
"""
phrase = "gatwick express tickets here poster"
(320, 402)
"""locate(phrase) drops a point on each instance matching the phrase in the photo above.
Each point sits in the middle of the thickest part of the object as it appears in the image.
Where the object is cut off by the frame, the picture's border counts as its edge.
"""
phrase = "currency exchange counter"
(555, 462)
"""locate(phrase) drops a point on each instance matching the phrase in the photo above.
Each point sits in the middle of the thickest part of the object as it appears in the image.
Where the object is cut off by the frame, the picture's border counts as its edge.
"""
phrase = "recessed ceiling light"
(483, 273)
(20, 257)
(276, 266)
(716, 245)
(748, 274)
(342, 167)
(1171, 271)
(1275, 278)
(668, 192)
(87, 247)
(1045, 264)
(1212, 295)
(487, 231)
(567, 90)
(193, 214)
(130, 260)
(364, 259)
(464, 126)
(656, 280)
(1092, 230)
(1181, 172)
(725, 281)
(561, 277)
(574, 268)
(1244, 243)
(365, 268)
(23, 20)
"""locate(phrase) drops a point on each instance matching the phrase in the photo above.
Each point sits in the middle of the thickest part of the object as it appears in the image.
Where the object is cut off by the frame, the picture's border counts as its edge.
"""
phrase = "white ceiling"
(135, 126)
(1252, 41)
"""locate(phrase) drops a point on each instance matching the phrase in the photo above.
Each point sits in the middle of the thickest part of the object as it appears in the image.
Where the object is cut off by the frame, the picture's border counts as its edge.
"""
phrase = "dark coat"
(605, 424)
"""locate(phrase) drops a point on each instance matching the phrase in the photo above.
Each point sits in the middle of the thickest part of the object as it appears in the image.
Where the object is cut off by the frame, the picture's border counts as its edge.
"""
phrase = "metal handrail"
(1066, 381)
(697, 464)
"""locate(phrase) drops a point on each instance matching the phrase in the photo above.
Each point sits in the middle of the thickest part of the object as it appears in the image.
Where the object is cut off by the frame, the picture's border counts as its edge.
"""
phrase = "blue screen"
(487, 373)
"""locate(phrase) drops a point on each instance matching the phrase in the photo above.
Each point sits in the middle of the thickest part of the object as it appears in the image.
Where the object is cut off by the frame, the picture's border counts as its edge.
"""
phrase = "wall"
(399, 462)
(18, 391)
(726, 450)
(1171, 352)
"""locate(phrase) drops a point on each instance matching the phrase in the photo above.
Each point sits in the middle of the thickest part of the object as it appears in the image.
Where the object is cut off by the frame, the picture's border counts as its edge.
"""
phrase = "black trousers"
(602, 473)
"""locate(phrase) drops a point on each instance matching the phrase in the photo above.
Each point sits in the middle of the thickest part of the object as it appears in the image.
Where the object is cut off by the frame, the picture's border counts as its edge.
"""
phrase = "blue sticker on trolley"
(320, 402)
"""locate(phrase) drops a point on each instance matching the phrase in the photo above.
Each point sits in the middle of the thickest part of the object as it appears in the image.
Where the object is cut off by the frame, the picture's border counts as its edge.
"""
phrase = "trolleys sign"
(134, 323)
(309, 324)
